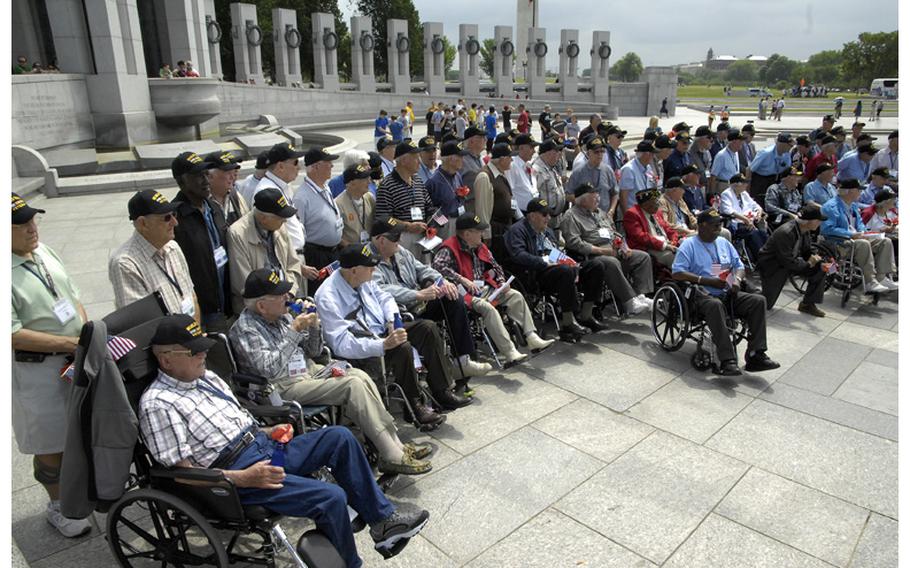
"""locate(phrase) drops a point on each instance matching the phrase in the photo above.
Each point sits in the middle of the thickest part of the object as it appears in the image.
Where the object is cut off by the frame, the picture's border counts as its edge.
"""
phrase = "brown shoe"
(810, 309)
(408, 465)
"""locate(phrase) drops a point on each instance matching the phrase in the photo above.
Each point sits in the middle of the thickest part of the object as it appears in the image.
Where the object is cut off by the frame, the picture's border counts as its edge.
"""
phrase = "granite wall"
(51, 111)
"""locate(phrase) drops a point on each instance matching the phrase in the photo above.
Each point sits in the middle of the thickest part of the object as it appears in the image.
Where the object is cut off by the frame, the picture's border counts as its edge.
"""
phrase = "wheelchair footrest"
(316, 550)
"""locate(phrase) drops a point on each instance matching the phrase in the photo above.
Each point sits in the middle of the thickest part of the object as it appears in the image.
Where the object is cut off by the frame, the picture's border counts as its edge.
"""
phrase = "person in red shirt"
(828, 155)
(524, 120)
(647, 230)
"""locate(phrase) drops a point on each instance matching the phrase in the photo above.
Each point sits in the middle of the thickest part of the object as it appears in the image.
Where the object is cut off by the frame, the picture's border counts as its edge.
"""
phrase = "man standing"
(720, 138)
(355, 205)
(401, 195)
(521, 175)
(386, 148)
(827, 155)
(887, 156)
(223, 186)
(549, 182)
(493, 201)
(595, 172)
(545, 122)
(637, 174)
(663, 148)
(248, 186)
(427, 154)
(47, 318)
(700, 154)
(768, 165)
(523, 123)
(679, 157)
(381, 126)
(726, 163)
(747, 152)
(823, 130)
(150, 260)
(318, 213)
(446, 187)
(857, 166)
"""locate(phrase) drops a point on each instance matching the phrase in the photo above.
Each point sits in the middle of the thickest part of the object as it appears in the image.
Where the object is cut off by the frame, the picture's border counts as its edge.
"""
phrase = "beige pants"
(356, 391)
(875, 257)
(518, 310)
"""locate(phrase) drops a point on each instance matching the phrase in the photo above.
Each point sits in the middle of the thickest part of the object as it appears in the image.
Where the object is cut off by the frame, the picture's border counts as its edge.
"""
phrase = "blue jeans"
(324, 503)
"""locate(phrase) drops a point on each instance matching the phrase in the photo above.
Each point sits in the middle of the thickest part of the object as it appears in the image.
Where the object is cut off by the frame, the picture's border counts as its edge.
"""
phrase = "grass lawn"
(717, 92)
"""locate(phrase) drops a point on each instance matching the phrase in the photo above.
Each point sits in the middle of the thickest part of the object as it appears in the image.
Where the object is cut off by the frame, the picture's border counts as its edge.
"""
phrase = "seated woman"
(748, 217)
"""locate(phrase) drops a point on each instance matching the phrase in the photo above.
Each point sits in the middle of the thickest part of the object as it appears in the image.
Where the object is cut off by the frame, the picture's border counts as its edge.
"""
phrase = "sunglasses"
(167, 217)
(186, 352)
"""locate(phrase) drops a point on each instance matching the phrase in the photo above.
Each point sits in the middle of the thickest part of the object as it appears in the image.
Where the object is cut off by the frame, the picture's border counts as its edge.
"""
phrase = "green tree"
(779, 68)
(487, 51)
(628, 68)
(381, 11)
(741, 72)
(824, 67)
(451, 52)
(873, 55)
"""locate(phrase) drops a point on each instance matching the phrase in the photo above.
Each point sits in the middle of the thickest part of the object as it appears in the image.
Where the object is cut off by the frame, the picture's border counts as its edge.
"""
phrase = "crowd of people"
(23, 68)
(183, 69)
(329, 285)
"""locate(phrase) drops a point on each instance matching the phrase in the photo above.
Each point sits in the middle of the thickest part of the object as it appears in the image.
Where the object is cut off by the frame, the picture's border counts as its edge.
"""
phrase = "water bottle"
(398, 324)
(296, 307)
(278, 456)
(281, 435)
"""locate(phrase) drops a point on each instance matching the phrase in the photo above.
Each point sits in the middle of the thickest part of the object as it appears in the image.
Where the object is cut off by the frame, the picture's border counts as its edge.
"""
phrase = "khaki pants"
(875, 257)
(518, 310)
(356, 391)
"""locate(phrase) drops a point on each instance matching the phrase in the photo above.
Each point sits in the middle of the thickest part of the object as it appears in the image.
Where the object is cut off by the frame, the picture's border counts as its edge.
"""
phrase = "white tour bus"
(884, 88)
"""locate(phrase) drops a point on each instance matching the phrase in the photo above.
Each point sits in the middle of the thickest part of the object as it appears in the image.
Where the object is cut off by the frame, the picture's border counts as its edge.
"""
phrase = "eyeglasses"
(167, 217)
(185, 352)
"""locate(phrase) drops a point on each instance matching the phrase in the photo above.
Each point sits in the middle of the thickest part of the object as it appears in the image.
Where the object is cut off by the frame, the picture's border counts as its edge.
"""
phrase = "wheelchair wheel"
(701, 359)
(669, 317)
(176, 534)
(799, 283)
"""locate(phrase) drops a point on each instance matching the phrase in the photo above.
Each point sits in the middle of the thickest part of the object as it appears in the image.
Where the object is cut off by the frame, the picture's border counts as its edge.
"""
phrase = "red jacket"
(638, 235)
(819, 158)
(493, 274)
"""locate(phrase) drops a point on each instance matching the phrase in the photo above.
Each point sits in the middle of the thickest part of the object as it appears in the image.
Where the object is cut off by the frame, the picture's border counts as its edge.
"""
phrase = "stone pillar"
(71, 38)
(119, 90)
(434, 58)
(502, 61)
(398, 56)
(247, 36)
(286, 38)
(569, 51)
(469, 60)
(325, 51)
(662, 83)
(213, 35)
(26, 33)
(526, 17)
(600, 66)
(362, 45)
(183, 34)
(536, 52)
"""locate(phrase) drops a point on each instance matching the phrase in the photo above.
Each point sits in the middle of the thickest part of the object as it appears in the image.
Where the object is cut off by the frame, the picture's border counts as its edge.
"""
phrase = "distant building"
(721, 62)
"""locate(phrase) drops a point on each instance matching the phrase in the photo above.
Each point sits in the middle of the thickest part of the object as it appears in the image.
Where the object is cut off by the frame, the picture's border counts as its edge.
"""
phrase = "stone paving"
(611, 452)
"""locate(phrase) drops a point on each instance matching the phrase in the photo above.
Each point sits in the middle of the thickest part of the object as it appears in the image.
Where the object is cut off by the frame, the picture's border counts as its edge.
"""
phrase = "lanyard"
(49, 282)
(210, 225)
(205, 386)
(714, 257)
(170, 278)
(362, 216)
(321, 194)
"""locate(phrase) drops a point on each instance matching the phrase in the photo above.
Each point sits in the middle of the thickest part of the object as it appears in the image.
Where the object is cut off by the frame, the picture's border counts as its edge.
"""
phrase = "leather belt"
(233, 450)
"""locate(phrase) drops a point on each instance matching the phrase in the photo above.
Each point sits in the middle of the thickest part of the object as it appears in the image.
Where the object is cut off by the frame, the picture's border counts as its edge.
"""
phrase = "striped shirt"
(137, 269)
(190, 420)
(395, 198)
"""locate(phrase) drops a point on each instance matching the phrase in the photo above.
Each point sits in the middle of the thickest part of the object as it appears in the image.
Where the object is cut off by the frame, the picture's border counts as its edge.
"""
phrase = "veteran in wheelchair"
(711, 273)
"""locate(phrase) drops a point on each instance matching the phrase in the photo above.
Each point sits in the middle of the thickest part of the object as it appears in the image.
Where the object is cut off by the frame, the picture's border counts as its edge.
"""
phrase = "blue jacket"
(523, 245)
(837, 227)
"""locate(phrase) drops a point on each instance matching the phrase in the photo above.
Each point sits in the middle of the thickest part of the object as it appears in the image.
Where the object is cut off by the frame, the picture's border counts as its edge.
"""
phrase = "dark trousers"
(758, 187)
(591, 276)
(456, 313)
(560, 280)
(318, 257)
(755, 239)
(490, 145)
(750, 307)
(324, 503)
(774, 277)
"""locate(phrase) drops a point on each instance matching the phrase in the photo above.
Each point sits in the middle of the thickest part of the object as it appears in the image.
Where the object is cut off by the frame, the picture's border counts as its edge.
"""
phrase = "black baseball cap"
(501, 151)
(690, 169)
(357, 255)
(645, 146)
(681, 127)
(470, 221)
(785, 138)
(22, 213)
(149, 202)
(738, 178)
(282, 152)
(315, 155)
(271, 200)
(427, 143)
(523, 139)
(871, 150)
(748, 128)
(838, 131)
(803, 141)
(892, 135)
(189, 163)
(584, 188)
(733, 135)
(453, 148)
(673, 182)
(595, 143)
(828, 118)
(663, 142)
(865, 137)
(538, 206)
(885, 194)
(262, 160)
(723, 126)
(548, 145)
(384, 143)
(182, 330)
(472, 131)
(811, 212)
(357, 171)
(709, 215)
(828, 140)
(390, 228)
(265, 282)
(503, 138)
(882, 172)
(613, 130)
(794, 171)
(823, 167)
(683, 137)
(406, 147)
(855, 124)
(224, 161)
(851, 183)
(703, 131)
(645, 195)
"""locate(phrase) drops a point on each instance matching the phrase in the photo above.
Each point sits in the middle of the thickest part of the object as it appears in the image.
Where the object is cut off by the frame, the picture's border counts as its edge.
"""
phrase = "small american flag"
(119, 346)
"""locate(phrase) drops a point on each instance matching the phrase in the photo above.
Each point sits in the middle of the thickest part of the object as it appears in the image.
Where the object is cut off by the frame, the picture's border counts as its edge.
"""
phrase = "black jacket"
(192, 235)
(787, 248)
(522, 246)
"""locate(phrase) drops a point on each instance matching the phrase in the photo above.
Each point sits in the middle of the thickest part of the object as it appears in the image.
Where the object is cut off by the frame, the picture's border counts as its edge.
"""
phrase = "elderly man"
(474, 142)
(826, 155)
(428, 165)
(703, 260)
(446, 187)
(386, 148)
(248, 186)
(201, 232)
(594, 172)
(355, 205)
(150, 260)
(318, 213)
(749, 219)
(845, 227)
(425, 293)
(820, 190)
(747, 152)
(531, 245)
(493, 200)
(789, 251)
(521, 175)
(260, 240)
(878, 180)
(188, 417)
(549, 180)
(725, 164)
(887, 157)
(359, 324)
(590, 237)
(799, 155)
(593, 122)
(271, 343)
(616, 157)
(352, 158)
(700, 154)
(664, 147)
(674, 208)
(647, 230)
(402, 196)
(783, 200)
(223, 186)
(47, 318)
(679, 158)
(823, 130)
(466, 260)
(769, 165)
(636, 175)
(858, 165)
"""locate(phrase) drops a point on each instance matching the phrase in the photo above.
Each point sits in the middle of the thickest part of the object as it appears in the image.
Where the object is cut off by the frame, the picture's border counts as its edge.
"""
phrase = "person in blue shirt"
(856, 166)
(845, 227)
(381, 126)
(679, 157)
(714, 267)
(636, 175)
(726, 162)
(396, 129)
(768, 165)
(489, 125)
(820, 190)
(720, 138)
(878, 181)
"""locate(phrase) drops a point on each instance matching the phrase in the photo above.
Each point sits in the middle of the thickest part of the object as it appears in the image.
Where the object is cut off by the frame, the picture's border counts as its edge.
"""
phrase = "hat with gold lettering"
(182, 330)
(22, 213)
(149, 202)
(271, 200)
(265, 282)
(189, 163)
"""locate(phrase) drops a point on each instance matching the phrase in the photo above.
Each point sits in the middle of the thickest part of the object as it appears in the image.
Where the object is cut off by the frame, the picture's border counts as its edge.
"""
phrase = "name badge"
(416, 213)
(297, 365)
(188, 307)
(339, 223)
(460, 210)
(364, 237)
(64, 310)
(514, 205)
(603, 233)
(221, 257)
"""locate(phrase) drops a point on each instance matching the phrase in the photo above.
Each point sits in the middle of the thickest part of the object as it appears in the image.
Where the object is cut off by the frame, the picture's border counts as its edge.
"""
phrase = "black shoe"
(575, 329)
(729, 368)
(450, 401)
(594, 324)
(401, 525)
(760, 362)
(424, 415)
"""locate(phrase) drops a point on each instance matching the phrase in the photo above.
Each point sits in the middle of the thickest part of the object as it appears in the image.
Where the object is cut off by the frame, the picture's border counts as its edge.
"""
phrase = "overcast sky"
(667, 32)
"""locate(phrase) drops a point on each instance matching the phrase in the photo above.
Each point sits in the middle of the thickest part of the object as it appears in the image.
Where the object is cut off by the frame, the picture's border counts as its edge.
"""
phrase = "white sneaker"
(636, 306)
(536, 342)
(70, 528)
(888, 283)
(514, 356)
(644, 300)
(474, 369)
(874, 287)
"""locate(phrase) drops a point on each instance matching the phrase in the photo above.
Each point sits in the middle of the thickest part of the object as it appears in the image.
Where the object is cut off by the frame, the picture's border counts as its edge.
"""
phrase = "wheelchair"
(843, 275)
(482, 337)
(674, 320)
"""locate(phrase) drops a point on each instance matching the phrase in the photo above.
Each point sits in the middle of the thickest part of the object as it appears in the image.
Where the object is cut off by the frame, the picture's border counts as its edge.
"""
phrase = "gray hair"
(250, 303)
(257, 211)
(353, 158)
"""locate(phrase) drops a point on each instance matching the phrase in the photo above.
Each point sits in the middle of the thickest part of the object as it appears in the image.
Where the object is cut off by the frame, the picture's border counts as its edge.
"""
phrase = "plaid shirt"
(265, 348)
(137, 269)
(188, 420)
